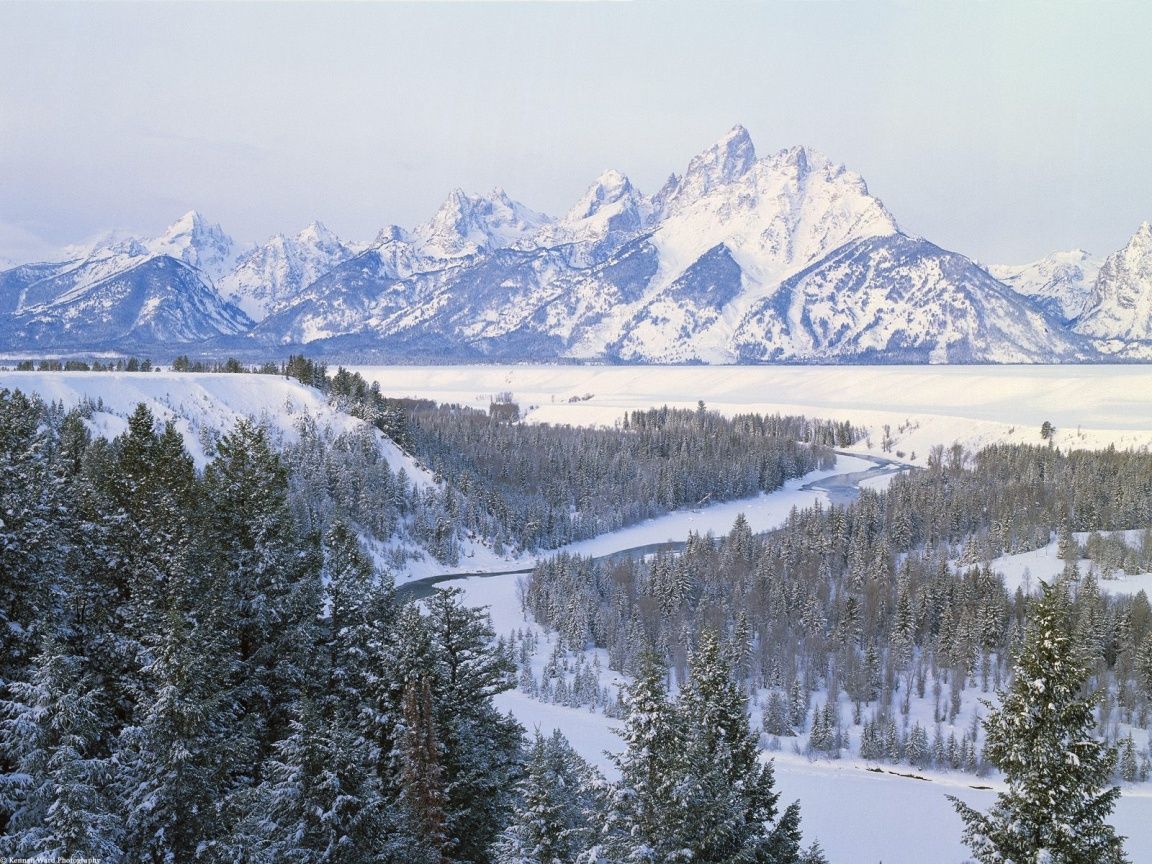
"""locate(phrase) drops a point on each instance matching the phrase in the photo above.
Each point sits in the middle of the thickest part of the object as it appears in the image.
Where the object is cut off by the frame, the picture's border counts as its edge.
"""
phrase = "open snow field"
(1090, 406)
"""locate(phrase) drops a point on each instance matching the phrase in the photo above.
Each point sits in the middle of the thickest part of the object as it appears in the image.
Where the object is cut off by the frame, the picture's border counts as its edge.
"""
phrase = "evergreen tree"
(481, 748)
(641, 822)
(559, 813)
(54, 728)
(1042, 738)
(726, 797)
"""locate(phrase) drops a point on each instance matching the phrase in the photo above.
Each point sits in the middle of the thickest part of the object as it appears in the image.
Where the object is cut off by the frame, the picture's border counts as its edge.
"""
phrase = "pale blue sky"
(1002, 130)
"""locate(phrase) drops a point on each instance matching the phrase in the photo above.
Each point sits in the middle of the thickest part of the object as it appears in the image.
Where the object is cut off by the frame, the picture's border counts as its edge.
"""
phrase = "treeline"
(189, 673)
(860, 627)
(550, 485)
(120, 364)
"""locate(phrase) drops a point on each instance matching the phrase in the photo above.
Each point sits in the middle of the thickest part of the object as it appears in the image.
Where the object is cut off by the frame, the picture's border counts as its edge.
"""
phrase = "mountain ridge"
(742, 258)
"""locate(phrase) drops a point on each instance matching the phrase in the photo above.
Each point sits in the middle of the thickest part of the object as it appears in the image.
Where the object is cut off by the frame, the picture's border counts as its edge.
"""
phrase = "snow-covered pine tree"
(481, 747)
(321, 802)
(1042, 737)
(643, 800)
(58, 793)
(558, 816)
(725, 794)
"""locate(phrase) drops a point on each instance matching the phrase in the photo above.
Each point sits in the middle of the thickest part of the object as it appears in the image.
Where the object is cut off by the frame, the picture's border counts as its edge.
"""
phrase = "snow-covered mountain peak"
(724, 162)
(1122, 295)
(270, 276)
(390, 234)
(1060, 283)
(467, 224)
(607, 189)
(608, 211)
(779, 214)
(195, 241)
(318, 233)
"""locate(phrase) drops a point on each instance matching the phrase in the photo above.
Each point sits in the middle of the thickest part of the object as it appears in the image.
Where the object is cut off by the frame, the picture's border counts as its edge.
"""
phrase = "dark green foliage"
(561, 804)
(692, 786)
(548, 485)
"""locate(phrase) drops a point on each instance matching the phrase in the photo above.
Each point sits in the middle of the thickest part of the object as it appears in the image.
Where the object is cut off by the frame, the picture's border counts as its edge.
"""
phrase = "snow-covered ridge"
(741, 258)
(1121, 306)
(198, 401)
(1060, 283)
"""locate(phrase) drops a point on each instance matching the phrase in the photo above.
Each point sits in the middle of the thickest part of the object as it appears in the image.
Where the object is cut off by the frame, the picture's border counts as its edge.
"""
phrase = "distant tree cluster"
(540, 485)
(120, 364)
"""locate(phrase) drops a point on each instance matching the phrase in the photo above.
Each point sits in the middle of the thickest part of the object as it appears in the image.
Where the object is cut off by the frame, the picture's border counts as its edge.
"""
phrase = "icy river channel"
(838, 489)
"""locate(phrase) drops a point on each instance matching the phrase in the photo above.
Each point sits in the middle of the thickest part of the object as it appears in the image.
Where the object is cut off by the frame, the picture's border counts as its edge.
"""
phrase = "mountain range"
(743, 258)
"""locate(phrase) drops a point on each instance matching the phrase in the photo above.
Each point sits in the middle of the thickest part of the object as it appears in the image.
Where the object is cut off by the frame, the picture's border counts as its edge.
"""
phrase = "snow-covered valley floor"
(1090, 406)
(860, 815)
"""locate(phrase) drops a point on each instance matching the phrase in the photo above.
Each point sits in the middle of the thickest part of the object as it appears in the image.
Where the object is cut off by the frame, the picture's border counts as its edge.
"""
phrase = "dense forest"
(190, 672)
(885, 602)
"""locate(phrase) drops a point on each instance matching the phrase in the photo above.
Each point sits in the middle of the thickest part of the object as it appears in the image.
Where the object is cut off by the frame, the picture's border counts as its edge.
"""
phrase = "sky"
(1001, 130)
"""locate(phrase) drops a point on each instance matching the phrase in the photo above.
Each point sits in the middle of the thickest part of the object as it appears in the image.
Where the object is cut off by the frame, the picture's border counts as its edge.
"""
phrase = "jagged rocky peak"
(195, 241)
(467, 224)
(318, 234)
(609, 188)
(725, 161)
(390, 234)
(1122, 295)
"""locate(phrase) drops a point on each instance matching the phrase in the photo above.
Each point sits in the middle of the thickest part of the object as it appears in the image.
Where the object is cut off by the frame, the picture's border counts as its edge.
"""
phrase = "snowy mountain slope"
(904, 299)
(1061, 283)
(1121, 306)
(122, 299)
(708, 269)
(610, 212)
(606, 280)
(269, 277)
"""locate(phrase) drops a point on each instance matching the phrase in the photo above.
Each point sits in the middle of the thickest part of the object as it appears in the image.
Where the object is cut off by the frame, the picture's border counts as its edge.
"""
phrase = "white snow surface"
(197, 401)
(1090, 406)
(1026, 569)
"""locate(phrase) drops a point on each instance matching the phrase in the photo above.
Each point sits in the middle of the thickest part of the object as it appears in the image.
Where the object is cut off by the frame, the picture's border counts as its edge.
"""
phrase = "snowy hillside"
(195, 401)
